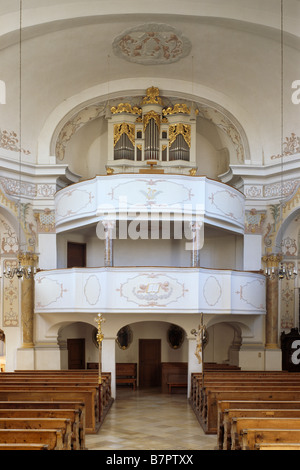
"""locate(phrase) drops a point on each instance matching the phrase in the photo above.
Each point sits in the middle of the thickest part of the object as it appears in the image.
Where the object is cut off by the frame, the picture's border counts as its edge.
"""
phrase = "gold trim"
(124, 128)
(178, 108)
(28, 259)
(272, 260)
(126, 108)
(183, 129)
(152, 96)
(151, 115)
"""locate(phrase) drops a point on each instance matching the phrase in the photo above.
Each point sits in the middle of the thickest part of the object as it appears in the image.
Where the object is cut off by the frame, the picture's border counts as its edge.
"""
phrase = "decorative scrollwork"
(126, 108)
(178, 108)
(151, 115)
(183, 129)
(124, 128)
(152, 96)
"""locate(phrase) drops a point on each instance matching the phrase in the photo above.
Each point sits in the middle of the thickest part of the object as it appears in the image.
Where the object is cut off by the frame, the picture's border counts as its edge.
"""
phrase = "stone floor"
(150, 420)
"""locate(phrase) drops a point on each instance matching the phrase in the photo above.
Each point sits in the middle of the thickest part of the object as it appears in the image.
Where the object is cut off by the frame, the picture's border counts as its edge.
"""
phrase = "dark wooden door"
(76, 255)
(149, 363)
(76, 353)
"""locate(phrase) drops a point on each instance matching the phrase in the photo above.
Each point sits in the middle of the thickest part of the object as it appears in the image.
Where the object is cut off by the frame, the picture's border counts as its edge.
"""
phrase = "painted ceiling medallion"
(152, 44)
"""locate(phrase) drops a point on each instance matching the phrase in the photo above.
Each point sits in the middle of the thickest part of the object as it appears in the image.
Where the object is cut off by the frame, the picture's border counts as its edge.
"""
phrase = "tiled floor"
(150, 420)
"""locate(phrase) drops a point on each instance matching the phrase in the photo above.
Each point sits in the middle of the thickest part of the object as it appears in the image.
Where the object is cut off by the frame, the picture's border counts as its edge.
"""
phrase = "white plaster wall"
(222, 252)
(252, 252)
(86, 152)
(219, 252)
(12, 342)
(220, 339)
(152, 330)
(47, 251)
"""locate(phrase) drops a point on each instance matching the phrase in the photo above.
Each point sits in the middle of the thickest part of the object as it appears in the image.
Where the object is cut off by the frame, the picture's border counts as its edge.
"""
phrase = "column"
(109, 229)
(272, 313)
(272, 349)
(272, 263)
(109, 361)
(196, 243)
(27, 260)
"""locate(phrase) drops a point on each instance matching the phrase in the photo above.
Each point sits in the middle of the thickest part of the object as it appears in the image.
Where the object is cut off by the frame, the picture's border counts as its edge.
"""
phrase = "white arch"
(40, 15)
(136, 86)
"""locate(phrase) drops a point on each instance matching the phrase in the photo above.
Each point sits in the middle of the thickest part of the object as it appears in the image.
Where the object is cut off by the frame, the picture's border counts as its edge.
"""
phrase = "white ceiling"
(67, 52)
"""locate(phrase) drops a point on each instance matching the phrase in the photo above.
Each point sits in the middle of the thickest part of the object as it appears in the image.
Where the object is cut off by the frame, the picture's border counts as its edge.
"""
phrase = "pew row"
(240, 425)
(272, 446)
(207, 391)
(60, 386)
(53, 437)
(16, 446)
(227, 416)
(126, 373)
(71, 410)
(251, 437)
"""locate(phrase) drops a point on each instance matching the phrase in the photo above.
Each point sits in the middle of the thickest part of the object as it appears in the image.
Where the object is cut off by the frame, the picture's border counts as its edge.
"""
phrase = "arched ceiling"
(233, 49)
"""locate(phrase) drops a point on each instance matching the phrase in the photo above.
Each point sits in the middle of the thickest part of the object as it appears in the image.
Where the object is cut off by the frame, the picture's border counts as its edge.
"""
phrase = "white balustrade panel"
(85, 202)
(167, 290)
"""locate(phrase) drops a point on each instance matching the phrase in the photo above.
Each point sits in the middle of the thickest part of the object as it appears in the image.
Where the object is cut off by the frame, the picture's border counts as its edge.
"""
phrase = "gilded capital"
(28, 259)
(272, 260)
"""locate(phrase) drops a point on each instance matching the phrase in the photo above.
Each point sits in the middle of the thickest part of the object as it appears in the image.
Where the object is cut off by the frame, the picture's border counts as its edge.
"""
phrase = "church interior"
(149, 221)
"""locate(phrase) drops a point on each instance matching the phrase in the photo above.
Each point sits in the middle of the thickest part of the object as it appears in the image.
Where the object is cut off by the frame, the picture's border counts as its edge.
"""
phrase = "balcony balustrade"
(150, 195)
(150, 289)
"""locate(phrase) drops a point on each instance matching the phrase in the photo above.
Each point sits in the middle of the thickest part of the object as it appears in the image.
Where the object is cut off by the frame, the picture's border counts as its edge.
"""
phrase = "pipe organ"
(151, 133)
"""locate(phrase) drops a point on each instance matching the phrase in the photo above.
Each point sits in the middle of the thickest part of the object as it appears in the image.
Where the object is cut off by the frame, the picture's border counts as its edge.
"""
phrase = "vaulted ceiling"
(221, 53)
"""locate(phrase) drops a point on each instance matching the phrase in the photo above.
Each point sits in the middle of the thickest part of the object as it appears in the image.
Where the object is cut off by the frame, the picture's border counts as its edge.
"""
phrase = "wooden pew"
(247, 406)
(69, 377)
(209, 419)
(224, 437)
(24, 447)
(273, 446)
(52, 437)
(62, 424)
(204, 401)
(176, 381)
(88, 397)
(72, 415)
(173, 374)
(251, 437)
(126, 373)
(238, 425)
(76, 385)
(53, 409)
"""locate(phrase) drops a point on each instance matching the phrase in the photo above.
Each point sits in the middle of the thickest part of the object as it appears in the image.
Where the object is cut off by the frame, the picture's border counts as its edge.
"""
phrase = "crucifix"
(99, 338)
(200, 337)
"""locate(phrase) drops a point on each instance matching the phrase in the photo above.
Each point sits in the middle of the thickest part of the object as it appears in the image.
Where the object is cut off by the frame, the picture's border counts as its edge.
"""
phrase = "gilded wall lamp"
(274, 266)
(21, 271)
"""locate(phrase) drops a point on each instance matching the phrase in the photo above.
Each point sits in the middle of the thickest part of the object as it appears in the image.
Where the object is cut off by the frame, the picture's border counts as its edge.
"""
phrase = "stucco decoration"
(207, 110)
(152, 44)
(291, 146)
(9, 140)
(232, 130)
(89, 113)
